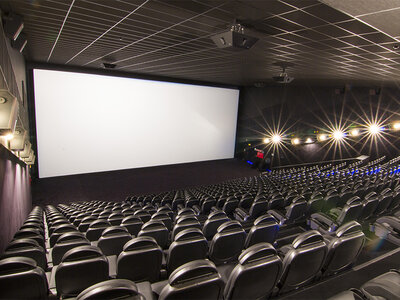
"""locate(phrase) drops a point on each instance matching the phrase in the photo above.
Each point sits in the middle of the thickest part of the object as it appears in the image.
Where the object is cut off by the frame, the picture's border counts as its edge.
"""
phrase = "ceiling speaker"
(234, 39)
(8, 112)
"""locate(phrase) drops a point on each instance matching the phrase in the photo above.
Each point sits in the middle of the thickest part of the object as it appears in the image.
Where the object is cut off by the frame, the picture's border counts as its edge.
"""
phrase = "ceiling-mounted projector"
(234, 39)
(283, 77)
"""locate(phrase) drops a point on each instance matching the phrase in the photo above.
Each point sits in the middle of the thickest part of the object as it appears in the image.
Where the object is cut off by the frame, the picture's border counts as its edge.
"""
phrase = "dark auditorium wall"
(15, 195)
(116, 185)
(306, 108)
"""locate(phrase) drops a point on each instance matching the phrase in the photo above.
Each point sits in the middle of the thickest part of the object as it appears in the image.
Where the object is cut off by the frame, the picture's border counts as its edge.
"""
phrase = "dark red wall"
(15, 195)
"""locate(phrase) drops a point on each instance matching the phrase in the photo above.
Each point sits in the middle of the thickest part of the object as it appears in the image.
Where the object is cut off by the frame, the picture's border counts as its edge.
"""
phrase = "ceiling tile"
(356, 27)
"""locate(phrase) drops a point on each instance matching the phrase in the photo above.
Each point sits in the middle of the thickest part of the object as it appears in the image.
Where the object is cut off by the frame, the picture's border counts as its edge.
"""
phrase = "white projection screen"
(92, 123)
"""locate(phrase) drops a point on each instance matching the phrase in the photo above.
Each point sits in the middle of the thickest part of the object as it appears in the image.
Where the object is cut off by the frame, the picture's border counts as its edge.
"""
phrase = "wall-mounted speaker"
(13, 26)
(27, 149)
(17, 143)
(234, 40)
(8, 112)
(31, 159)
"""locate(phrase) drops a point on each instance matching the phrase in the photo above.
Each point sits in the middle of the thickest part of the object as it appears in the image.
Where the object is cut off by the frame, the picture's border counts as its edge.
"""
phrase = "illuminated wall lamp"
(17, 143)
(295, 141)
(396, 126)
(8, 112)
(322, 137)
(27, 148)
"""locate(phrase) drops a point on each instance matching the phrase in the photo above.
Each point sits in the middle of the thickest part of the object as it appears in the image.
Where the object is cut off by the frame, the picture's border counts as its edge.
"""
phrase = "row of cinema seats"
(276, 270)
(385, 286)
(183, 227)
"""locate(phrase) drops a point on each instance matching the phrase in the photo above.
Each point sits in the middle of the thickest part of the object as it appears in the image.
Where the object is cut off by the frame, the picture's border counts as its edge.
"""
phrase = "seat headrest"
(187, 219)
(153, 224)
(27, 232)
(230, 226)
(217, 215)
(22, 243)
(307, 238)
(81, 253)
(164, 209)
(64, 228)
(256, 252)
(192, 270)
(353, 200)
(131, 220)
(298, 199)
(141, 212)
(160, 214)
(265, 219)
(16, 264)
(386, 191)
(110, 289)
(189, 234)
(114, 230)
(371, 195)
(99, 224)
(75, 235)
(348, 228)
(88, 218)
(116, 215)
(186, 210)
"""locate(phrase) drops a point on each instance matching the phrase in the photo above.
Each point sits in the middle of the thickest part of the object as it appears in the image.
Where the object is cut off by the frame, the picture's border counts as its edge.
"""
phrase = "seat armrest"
(322, 222)
(241, 214)
(277, 215)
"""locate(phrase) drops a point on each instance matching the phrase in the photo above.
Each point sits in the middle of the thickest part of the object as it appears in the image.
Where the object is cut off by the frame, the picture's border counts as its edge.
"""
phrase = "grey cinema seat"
(214, 220)
(140, 260)
(227, 243)
(265, 229)
(80, 268)
(255, 275)
(189, 244)
(157, 230)
(302, 260)
(21, 278)
(27, 248)
(198, 279)
(385, 286)
(113, 239)
(66, 242)
(343, 247)
(113, 289)
(133, 224)
(96, 228)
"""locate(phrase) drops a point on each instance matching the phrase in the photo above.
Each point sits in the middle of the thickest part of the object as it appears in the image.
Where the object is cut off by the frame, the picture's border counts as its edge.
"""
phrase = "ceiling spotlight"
(309, 140)
(374, 129)
(295, 141)
(396, 126)
(322, 137)
(267, 140)
(355, 132)
(276, 138)
(338, 135)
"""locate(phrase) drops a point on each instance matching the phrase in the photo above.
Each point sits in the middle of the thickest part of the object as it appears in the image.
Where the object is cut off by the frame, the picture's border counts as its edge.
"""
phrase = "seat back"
(96, 228)
(27, 248)
(214, 220)
(303, 259)
(296, 210)
(255, 275)
(344, 247)
(157, 230)
(66, 242)
(369, 205)
(115, 218)
(229, 206)
(331, 201)
(227, 243)
(198, 279)
(80, 268)
(185, 222)
(113, 239)
(265, 229)
(258, 208)
(21, 278)
(351, 211)
(189, 244)
(384, 202)
(111, 289)
(140, 260)
(164, 217)
(133, 224)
